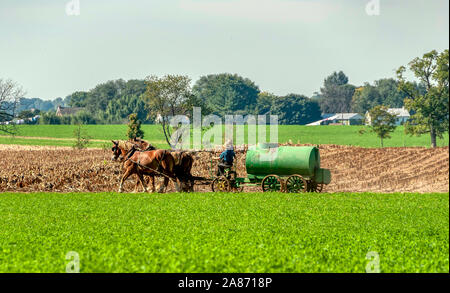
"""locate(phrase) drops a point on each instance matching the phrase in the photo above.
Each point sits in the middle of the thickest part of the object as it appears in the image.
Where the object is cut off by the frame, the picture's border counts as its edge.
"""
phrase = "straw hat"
(229, 144)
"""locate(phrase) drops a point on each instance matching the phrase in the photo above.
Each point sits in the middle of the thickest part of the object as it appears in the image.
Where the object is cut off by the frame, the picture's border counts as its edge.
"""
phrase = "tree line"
(221, 94)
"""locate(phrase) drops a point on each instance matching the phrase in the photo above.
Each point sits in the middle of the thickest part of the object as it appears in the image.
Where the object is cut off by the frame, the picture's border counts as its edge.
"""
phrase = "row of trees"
(338, 96)
(428, 101)
(221, 94)
(82, 117)
(430, 107)
(39, 104)
(113, 101)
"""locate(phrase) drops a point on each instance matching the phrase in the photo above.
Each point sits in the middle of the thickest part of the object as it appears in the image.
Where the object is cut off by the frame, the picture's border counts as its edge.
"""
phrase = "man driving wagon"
(226, 158)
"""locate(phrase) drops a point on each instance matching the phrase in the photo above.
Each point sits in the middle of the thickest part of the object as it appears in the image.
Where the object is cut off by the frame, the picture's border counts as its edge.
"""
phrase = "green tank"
(266, 159)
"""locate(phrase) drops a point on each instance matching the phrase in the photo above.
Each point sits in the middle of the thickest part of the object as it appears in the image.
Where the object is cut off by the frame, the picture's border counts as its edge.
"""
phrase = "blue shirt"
(228, 156)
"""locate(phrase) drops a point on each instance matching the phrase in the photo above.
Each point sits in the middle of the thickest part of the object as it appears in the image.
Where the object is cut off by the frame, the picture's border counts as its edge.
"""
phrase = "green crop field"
(224, 232)
(62, 135)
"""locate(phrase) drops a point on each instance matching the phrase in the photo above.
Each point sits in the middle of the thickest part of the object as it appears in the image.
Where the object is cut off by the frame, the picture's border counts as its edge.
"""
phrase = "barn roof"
(68, 110)
(345, 116)
(401, 112)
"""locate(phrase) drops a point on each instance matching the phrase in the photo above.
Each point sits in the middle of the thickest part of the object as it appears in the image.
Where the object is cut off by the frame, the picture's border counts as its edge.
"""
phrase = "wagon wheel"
(232, 175)
(221, 184)
(296, 184)
(238, 187)
(272, 183)
(313, 186)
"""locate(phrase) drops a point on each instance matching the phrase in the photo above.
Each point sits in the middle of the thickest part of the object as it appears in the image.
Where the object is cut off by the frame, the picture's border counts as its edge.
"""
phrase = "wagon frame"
(291, 183)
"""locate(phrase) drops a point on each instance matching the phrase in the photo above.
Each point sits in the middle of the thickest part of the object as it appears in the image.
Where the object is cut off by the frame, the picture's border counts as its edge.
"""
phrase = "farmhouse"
(339, 119)
(401, 113)
(65, 111)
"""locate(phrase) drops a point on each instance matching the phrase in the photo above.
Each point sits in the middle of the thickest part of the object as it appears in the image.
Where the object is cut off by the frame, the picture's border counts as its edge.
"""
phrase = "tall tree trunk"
(433, 136)
(381, 142)
(167, 133)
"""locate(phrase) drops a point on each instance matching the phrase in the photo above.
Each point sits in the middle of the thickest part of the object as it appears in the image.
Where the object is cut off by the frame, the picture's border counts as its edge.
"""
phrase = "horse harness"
(133, 150)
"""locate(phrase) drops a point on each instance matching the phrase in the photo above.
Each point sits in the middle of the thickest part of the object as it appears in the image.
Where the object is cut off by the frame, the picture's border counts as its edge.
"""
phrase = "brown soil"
(354, 169)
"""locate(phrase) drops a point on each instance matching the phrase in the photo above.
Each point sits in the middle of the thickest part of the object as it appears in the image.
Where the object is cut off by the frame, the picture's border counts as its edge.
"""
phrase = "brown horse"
(183, 164)
(121, 148)
(183, 161)
(142, 144)
(183, 168)
(152, 163)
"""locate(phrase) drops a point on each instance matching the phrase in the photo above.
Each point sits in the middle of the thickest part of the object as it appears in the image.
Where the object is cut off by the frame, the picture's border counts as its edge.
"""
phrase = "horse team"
(143, 159)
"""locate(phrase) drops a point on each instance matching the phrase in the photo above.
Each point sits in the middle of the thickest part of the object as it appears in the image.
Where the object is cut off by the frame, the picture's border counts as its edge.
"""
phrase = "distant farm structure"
(339, 119)
(66, 111)
(401, 113)
(357, 119)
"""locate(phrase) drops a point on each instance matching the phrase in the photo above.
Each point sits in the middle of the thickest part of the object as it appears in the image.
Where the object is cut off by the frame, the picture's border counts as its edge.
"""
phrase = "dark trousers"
(221, 168)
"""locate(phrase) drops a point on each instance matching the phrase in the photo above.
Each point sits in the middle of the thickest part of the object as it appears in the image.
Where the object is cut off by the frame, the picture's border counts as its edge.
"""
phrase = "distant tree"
(167, 97)
(35, 103)
(66, 119)
(227, 93)
(99, 96)
(383, 92)
(390, 95)
(133, 87)
(336, 79)
(78, 99)
(316, 97)
(134, 127)
(81, 137)
(28, 114)
(264, 103)
(382, 122)
(336, 94)
(365, 98)
(58, 102)
(50, 118)
(10, 94)
(112, 101)
(431, 109)
(83, 117)
(120, 108)
(296, 109)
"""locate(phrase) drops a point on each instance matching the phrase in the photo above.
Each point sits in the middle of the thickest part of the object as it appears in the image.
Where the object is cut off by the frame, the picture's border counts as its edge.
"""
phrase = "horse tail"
(167, 162)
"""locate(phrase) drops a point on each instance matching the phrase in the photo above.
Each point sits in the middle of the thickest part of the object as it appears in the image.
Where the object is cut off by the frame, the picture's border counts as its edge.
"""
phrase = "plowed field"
(354, 169)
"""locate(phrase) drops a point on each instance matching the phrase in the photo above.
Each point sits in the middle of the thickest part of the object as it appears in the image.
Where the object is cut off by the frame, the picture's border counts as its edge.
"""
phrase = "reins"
(159, 173)
(134, 149)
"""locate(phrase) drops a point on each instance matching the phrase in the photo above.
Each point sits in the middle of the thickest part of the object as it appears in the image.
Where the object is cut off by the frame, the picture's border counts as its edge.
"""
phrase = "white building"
(340, 119)
(401, 113)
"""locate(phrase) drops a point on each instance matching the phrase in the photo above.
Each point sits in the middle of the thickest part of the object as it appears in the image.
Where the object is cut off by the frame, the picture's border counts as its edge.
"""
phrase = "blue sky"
(284, 46)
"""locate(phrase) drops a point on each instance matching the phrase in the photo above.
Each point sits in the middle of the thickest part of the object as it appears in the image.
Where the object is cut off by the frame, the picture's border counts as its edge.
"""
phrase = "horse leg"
(175, 182)
(191, 182)
(129, 171)
(162, 187)
(169, 172)
(177, 186)
(137, 184)
(152, 178)
(171, 175)
(142, 180)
